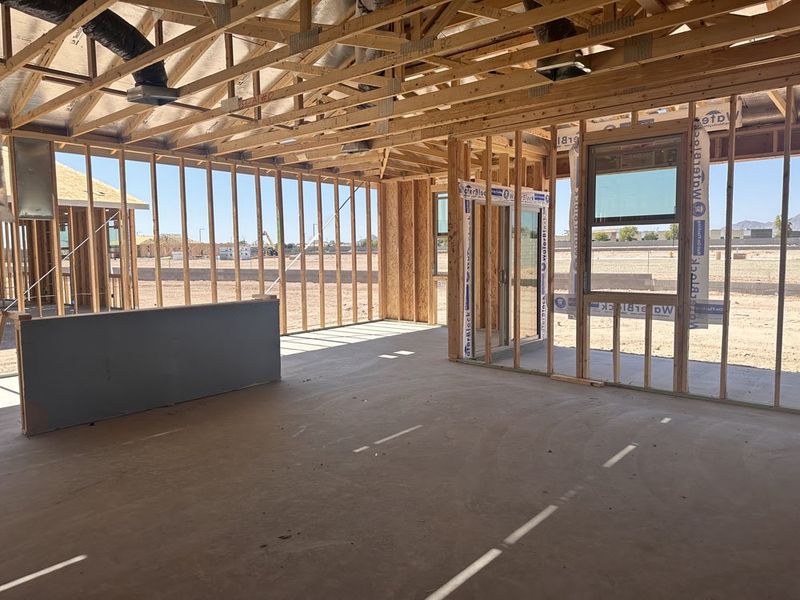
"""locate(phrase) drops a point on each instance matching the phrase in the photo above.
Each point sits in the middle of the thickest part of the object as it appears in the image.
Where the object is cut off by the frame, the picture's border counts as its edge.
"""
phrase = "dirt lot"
(753, 317)
(173, 295)
(270, 262)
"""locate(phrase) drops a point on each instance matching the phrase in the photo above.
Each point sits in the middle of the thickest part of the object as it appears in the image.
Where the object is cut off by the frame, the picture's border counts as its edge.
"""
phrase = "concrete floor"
(261, 493)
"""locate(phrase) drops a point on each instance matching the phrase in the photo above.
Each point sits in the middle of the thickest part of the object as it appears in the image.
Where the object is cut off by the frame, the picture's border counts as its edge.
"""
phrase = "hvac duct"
(116, 34)
(365, 7)
(561, 66)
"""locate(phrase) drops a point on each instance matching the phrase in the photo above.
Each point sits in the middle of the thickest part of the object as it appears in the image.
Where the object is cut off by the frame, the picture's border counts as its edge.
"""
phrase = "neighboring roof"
(72, 188)
(166, 238)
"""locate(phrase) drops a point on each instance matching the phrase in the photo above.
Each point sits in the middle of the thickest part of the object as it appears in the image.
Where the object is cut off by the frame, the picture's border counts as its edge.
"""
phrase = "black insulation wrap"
(107, 28)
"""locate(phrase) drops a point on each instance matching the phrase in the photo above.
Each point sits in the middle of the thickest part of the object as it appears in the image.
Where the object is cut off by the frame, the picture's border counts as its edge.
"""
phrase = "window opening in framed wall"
(440, 204)
(634, 191)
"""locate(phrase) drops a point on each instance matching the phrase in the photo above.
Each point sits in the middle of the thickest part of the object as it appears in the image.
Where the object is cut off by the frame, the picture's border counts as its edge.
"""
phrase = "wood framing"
(353, 254)
(156, 230)
(301, 221)
(789, 116)
(454, 253)
(551, 244)
(680, 349)
(237, 257)
(94, 277)
(726, 293)
(582, 337)
(368, 192)
(187, 285)
(320, 253)
(55, 241)
(518, 177)
(260, 231)
(212, 236)
(281, 222)
(488, 256)
(338, 249)
(124, 237)
(435, 92)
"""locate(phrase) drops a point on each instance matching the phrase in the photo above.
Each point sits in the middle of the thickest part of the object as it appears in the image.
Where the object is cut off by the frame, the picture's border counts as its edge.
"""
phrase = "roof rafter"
(80, 16)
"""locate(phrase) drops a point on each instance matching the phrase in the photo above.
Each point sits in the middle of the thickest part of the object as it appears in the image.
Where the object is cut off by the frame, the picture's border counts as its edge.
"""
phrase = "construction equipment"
(271, 249)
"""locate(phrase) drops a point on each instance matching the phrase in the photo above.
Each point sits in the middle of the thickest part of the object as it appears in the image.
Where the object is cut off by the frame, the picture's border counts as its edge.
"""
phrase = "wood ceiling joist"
(492, 86)
(308, 60)
(85, 105)
(482, 10)
(31, 83)
(641, 26)
(434, 28)
(778, 100)
(585, 89)
(176, 73)
(137, 115)
(420, 97)
(197, 8)
(79, 17)
(333, 35)
(653, 6)
(466, 38)
(245, 10)
(783, 20)
(356, 169)
(341, 161)
(336, 34)
(400, 154)
(675, 45)
(194, 13)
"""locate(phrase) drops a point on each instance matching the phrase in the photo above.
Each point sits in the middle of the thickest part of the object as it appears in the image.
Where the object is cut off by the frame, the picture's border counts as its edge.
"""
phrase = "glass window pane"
(635, 194)
(635, 181)
(441, 214)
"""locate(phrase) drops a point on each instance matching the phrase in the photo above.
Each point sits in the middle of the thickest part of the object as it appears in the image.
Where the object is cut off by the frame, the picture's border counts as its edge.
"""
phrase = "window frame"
(661, 219)
(590, 223)
(437, 235)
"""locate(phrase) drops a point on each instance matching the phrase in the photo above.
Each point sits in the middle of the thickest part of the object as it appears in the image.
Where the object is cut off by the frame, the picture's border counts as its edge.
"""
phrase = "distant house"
(171, 245)
(245, 252)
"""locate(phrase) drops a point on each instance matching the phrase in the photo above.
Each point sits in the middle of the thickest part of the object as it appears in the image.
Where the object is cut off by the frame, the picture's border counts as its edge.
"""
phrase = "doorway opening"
(501, 286)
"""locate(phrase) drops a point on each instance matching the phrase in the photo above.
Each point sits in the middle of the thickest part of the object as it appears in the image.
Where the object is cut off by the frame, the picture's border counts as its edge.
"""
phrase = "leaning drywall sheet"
(84, 368)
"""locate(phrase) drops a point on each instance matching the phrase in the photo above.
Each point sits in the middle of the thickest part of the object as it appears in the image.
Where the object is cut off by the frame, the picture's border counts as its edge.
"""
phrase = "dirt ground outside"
(753, 317)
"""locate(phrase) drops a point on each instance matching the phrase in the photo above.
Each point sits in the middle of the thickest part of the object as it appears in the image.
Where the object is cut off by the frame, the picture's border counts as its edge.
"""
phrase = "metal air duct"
(561, 66)
(116, 34)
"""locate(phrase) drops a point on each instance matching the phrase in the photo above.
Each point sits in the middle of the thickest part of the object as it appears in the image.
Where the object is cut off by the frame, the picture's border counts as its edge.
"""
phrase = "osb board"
(406, 222)
(423, 239)
(390, 248)
(407, 261)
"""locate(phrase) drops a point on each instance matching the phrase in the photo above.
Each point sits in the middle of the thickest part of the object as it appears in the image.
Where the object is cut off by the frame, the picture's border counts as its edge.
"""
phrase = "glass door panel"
(529, 274)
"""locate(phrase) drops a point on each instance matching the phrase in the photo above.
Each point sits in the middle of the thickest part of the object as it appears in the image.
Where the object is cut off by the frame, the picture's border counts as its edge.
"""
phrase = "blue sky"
(756, 192)
(757, 197)
(169, 216)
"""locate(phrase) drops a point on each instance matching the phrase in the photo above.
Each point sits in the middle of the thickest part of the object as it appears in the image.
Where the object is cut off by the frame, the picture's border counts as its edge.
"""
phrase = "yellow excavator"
(270, 249)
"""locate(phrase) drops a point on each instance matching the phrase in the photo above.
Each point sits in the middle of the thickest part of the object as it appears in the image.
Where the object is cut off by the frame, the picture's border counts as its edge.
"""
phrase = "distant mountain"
(752, 225)
(794, 221)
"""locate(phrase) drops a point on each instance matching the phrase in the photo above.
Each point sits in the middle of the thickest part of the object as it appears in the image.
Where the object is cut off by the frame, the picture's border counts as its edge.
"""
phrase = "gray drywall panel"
(84, 368)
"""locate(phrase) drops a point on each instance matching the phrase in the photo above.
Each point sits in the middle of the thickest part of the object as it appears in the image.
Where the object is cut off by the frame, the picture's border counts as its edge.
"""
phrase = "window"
(440, 208)
(634, 183)
(634, 192)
